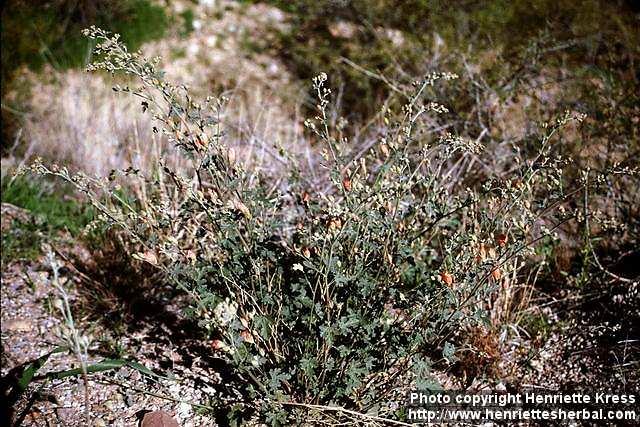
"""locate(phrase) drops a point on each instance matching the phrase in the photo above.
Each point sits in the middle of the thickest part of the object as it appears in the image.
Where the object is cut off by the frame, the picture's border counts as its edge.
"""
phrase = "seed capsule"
(244, 210)
(246, 336)
(447, 278)
(202, 140)
(335, 223)
(346, 183)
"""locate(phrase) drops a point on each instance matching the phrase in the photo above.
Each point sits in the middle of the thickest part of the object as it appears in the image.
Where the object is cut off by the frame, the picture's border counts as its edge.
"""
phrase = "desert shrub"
(334, 296)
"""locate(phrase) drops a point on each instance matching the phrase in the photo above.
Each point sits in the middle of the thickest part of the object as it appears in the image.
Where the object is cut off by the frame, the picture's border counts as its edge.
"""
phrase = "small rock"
(65, 414)
(11, 212)
(158, 419)
(17, 325)
(343, 30)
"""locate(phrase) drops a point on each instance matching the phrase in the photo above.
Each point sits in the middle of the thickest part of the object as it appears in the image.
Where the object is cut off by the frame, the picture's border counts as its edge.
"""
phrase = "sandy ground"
(30, 329)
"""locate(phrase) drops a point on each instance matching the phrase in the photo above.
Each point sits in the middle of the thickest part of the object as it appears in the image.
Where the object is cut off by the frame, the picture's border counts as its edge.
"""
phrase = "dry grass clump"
(74, 119)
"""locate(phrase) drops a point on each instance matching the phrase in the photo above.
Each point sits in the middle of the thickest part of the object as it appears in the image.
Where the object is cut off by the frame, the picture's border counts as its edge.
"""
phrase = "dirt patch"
(30, 329)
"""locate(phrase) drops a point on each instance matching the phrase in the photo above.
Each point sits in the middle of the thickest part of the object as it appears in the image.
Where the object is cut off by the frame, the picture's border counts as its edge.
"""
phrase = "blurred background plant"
(35, 34)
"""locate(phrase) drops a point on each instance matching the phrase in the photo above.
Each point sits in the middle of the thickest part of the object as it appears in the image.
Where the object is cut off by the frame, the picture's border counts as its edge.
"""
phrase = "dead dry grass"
(75, 118)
